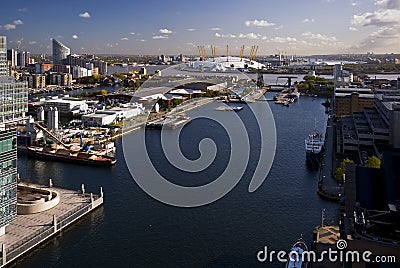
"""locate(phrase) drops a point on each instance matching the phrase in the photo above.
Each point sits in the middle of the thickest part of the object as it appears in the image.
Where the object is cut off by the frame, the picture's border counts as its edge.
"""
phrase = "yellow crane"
(253, 52)
(202, 52)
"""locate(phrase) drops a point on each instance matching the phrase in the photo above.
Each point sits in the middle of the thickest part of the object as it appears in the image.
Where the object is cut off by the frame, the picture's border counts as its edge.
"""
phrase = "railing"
(42, 234)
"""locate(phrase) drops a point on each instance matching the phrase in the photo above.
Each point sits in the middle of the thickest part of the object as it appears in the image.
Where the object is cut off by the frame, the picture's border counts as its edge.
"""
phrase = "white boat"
(314, 145)
(296, 256)
(237, 108)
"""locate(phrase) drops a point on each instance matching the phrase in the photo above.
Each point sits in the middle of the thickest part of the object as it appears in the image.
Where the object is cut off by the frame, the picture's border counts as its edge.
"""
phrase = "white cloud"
(143, 40)
(74, 36)
(18, 22)
(354, 4)
(85, 15)
(190, 30)
(258, 23)
(8, 27)
(132, 33)
(160, 37)
(320, 37)
(353, 29)
(283, 39)
(225, 35)
(279, 27)
(216, 29)
(32, 42)
(387, 13)
(124, 39)
(165, 31)
(250, 36)
(387, 4)
(23, 9)
(307, 20)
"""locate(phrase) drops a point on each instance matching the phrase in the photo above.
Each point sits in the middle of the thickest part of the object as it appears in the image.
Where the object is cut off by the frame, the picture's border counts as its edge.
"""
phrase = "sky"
(155, 27)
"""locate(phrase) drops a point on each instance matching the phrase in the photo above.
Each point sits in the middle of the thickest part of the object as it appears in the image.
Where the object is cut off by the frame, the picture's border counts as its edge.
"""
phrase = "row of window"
(7, 195)
(8, 212)
(8, 179)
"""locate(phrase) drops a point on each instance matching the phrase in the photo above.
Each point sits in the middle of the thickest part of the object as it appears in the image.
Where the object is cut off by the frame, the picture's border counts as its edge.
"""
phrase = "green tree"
(373, 162)
(341, 169)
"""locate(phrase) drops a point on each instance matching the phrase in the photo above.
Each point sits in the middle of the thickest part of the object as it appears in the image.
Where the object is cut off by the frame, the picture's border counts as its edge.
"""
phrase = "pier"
(328, 187)
(28, 231)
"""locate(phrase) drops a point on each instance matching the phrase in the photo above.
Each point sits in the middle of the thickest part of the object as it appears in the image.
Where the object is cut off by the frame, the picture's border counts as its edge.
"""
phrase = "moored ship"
(314, 144)
(72, 157)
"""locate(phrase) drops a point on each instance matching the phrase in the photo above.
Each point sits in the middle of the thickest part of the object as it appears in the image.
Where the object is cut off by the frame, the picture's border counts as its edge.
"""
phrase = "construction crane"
(241, 52)
(227, 52)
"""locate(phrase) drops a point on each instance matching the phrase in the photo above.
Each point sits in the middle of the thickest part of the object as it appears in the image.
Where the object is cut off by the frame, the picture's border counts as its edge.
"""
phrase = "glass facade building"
(60, 52)
(13, 106)
(3, 56)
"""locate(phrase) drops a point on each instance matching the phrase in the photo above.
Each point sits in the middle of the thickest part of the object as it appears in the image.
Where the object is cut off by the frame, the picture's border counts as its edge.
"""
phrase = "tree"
(341, 169)
(373, 162)
(103, 92)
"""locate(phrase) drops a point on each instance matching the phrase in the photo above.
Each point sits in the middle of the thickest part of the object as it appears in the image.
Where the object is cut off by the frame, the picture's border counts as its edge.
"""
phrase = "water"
(134, 230)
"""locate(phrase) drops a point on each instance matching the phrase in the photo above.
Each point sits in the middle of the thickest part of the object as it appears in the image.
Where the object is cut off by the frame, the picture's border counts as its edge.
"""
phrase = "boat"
(314, 145)
(296, 257)
(237, 108)
(69, 156)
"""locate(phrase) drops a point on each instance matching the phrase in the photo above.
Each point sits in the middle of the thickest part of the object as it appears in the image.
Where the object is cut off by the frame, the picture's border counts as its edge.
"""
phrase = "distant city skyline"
(158, 27)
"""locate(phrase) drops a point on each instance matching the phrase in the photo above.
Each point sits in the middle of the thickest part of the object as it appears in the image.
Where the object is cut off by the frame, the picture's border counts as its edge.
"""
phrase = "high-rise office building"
(14, 105)
(12, 57)
(60, 52)
(21, 59)
(3, 56)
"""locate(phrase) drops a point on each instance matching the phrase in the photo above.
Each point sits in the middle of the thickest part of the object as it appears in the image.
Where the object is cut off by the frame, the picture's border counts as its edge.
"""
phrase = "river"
(134, 230)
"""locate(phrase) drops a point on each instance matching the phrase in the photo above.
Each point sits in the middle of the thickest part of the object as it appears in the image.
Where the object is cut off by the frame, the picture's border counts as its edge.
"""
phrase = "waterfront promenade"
(328, 187)
(28, 231)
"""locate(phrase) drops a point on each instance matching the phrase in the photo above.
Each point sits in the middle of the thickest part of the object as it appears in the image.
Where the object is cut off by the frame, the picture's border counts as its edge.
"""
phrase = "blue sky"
(170, 27)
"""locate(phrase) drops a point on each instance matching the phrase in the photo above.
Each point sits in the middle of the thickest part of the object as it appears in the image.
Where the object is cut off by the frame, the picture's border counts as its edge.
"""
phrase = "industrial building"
(113, 115)
(350, 100)
(372, 128)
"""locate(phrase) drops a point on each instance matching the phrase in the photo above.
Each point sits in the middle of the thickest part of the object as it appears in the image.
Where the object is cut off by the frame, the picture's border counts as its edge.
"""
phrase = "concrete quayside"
(37, 221)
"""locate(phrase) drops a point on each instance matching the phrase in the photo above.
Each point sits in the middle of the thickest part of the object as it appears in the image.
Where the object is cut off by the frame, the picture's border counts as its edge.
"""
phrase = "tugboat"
(296, 257)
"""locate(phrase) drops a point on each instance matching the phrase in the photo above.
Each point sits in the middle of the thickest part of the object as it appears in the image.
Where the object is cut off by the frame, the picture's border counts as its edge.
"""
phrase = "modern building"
(60, 52)
(21, 59)
(61, 79)
(13, 106)
(41, 68)
(35, 80)
(3, 56)
(12, 57)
